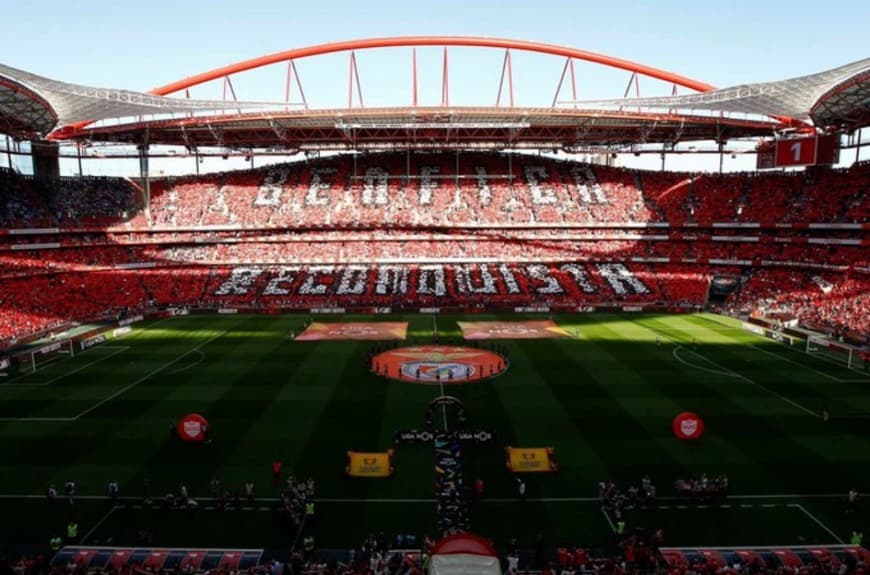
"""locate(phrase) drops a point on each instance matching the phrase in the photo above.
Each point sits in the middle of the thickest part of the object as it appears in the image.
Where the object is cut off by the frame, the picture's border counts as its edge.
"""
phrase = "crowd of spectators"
(427, 190)
(65, 202)
(45, 302)
(421, 249)
(390, 190)
(836, 304)
(382, 208)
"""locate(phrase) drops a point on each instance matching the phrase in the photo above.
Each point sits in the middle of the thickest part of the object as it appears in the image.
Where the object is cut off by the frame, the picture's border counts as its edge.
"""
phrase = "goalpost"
(36, 359)
(842, 353)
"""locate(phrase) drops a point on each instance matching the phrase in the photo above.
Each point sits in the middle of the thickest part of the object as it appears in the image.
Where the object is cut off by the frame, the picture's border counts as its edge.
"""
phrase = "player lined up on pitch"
(616, 500)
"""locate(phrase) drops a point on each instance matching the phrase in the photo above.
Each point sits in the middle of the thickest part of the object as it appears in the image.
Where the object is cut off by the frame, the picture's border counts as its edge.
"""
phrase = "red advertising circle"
(688, 425)
(192, 427)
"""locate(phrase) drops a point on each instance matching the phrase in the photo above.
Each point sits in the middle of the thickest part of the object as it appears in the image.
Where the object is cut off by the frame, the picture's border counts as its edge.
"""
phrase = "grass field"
(603, 400)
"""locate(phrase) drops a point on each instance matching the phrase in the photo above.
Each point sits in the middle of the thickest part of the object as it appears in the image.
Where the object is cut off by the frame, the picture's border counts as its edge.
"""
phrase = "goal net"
(837, 352)
(36, 359)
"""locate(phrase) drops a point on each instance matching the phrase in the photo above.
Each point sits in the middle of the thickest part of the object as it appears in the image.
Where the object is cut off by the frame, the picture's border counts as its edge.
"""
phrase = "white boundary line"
(699, 329)
(440, 383)
(817, 521)
(797, 363)
(191, 366)
(120, 391)
(733, 373)
(149, 375)
(609, 520)
(118, 348)
(443, 407)
(805, 366)
(97, 524)
(831, 361)
(692, 365)
(707, 318)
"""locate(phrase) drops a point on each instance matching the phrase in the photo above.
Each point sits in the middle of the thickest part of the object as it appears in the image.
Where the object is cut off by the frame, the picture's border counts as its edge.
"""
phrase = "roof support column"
(456, 174)
(9, 152)
(414, 76)
(145, 178)
(445, 81)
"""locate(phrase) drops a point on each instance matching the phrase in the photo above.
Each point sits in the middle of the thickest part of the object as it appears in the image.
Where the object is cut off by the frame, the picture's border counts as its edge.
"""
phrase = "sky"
(141, 45)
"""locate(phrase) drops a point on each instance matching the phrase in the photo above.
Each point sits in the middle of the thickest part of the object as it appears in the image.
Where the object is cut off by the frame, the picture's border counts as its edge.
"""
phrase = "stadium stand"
(486, 229)
(397, 191)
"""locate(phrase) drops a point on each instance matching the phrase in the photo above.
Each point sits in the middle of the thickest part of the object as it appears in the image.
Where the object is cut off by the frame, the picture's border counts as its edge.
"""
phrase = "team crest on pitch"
(439, 364)
(689, 426)
(437, 371)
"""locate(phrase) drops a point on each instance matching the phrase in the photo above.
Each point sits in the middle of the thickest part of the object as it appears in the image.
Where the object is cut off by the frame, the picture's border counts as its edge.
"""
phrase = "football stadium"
(414, 332)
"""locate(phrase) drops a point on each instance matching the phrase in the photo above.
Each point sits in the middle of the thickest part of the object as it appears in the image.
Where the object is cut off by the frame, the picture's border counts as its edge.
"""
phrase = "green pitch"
(603, 400)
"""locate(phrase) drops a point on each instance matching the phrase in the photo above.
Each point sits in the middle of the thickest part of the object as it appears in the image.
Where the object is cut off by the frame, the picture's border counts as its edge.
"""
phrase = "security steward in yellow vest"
(72, 532)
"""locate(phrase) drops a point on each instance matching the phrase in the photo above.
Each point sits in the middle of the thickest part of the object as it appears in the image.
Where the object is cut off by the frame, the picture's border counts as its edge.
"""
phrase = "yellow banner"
(530, 459)
(375, 464)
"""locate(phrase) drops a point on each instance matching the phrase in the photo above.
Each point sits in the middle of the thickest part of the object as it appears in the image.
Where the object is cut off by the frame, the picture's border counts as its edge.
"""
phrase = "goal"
(31, 361)
(835, 351)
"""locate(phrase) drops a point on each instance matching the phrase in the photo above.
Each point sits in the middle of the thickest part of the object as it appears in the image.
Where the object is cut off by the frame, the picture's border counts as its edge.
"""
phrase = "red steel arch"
(418, 41)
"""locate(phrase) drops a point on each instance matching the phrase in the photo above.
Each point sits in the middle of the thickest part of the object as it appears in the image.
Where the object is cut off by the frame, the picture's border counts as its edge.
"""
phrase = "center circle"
(439, 364)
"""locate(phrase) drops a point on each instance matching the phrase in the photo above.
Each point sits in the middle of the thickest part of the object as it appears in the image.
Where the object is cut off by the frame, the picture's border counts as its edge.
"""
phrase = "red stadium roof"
(748, 111)
(418, 41)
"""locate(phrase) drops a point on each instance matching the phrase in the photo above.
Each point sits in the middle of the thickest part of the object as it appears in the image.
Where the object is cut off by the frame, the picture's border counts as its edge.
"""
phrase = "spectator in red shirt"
(276, 471)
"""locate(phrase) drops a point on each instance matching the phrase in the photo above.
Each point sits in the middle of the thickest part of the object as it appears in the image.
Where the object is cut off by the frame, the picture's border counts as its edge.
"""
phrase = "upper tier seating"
(426, 190)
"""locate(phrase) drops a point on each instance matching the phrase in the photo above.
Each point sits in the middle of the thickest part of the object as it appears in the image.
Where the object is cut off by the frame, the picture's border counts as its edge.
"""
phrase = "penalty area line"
(804, 366)
(191, 366)
(609, 520)
(692, 365)
(149, 375)
(124, 389)
(117, 349)
(731, 373)
(817, 521)
(98, 523)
